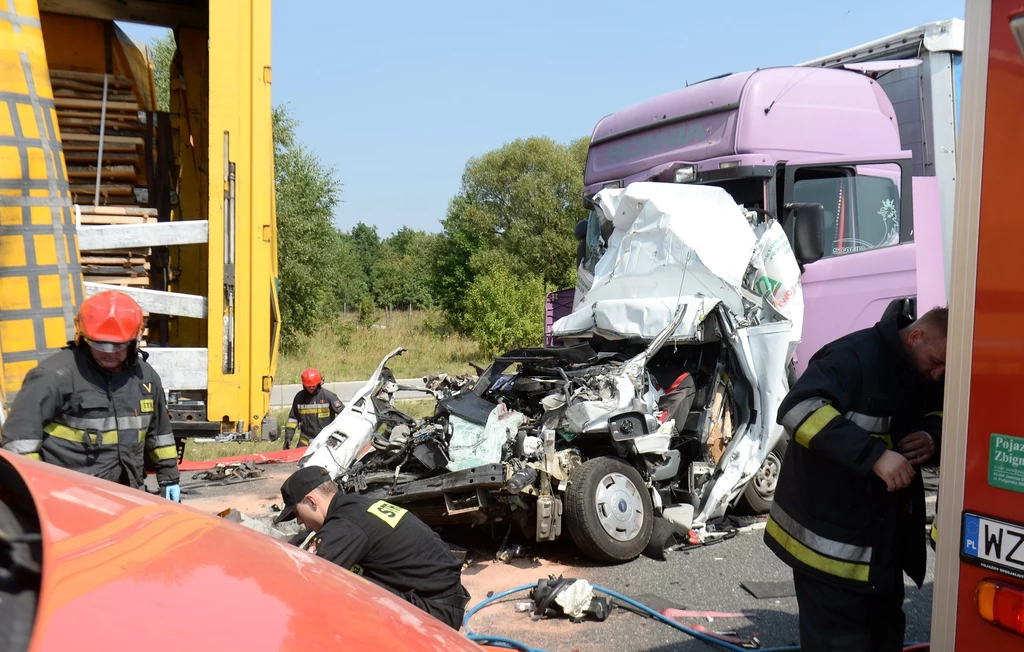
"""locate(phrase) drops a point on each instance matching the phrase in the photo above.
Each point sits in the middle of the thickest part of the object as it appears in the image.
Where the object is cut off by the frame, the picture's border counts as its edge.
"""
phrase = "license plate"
(993, 544)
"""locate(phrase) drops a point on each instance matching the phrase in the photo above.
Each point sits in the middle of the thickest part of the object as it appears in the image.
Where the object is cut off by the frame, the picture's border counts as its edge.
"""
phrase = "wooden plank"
(95, 95)
(91, 78)
(108, 172)
(158, 234)
(57, 82)
(71, 103)
(105, 200)
(114, 270)
(118, 210)
(94, 123)
(108, 157)
(113, 260)
(118, 280)
(105, 189)
(95, 138)
(180, 368)
(161, 303)
(85, 218)
(63, 114)
(107, 147)
(140, 252)
(109, 131)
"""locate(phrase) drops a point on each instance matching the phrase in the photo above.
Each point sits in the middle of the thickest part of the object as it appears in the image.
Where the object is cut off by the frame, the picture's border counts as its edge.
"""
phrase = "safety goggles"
(107, 347)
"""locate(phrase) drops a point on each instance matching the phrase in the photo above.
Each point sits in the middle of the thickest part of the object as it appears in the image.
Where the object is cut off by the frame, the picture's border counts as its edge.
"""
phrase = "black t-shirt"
(386, 544)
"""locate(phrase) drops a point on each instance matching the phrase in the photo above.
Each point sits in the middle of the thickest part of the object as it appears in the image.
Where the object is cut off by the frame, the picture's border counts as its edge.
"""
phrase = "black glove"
(287, 444)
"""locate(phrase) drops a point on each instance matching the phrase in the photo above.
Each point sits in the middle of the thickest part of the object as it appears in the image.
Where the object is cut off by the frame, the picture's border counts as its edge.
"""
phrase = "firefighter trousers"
(835, 619)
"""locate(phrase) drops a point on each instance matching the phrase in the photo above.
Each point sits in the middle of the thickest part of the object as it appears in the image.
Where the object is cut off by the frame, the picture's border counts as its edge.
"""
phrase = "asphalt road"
(706, 578)
(282, 395)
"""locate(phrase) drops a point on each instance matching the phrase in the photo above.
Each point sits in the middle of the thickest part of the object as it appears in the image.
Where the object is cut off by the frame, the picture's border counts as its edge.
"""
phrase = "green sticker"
(766, 286)
(1006, 462)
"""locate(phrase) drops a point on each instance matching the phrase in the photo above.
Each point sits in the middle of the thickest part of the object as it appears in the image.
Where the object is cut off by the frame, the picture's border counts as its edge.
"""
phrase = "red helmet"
(311, 378)
(109, 317)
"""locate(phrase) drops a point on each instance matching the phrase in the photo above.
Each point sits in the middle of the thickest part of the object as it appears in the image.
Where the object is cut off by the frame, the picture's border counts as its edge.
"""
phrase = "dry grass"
(416, 408)
(202, 452)
(427, 352)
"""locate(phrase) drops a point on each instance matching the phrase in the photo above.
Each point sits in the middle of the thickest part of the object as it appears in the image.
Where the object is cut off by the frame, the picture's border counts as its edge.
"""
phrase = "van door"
(868, 242)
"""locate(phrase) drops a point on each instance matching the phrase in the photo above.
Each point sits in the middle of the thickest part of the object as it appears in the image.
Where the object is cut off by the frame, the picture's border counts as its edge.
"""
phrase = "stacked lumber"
(78, 97)
(124, 267)
(79, 100)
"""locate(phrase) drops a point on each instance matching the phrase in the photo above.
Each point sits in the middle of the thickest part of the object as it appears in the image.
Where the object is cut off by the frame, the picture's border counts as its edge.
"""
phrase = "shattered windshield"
(748, 192)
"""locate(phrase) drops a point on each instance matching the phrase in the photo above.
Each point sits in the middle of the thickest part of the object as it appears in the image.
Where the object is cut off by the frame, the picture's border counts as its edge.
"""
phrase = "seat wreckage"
(658, 403)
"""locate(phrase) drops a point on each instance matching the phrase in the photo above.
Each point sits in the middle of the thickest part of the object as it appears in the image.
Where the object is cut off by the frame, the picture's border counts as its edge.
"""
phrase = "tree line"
(506, 240)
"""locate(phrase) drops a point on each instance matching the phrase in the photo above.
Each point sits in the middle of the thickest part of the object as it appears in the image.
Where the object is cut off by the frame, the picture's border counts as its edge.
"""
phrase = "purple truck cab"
(782, 136)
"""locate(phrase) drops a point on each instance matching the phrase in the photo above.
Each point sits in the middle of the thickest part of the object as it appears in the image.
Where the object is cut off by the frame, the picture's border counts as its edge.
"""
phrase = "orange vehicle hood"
(122, 568)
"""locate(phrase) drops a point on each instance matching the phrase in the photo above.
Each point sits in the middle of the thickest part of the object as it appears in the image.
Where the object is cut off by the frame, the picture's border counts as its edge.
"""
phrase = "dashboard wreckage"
(658, 403)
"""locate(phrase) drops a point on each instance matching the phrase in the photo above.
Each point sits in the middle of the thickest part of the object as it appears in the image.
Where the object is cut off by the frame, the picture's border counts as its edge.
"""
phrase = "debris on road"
(511, 552)
(283, 456)
(231, 471)
(765, 590)
(281, 532)
(568, 597)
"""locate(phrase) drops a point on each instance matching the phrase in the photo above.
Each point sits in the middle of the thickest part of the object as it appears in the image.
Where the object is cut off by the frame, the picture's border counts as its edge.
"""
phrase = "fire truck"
(979, 571)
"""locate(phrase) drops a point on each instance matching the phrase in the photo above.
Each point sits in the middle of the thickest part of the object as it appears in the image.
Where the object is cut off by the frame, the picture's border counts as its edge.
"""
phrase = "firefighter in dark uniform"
(383, 543)
(313, 409)
(848, 514)
(96, 406)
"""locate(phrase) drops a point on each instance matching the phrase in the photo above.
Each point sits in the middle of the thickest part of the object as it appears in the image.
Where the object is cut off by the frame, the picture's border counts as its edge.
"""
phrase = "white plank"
(180, 368)
(132, 236)
(157, 302)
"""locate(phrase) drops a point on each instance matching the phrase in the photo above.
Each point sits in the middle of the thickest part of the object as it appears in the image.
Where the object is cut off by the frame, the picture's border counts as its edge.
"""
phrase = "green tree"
(367, 244)
(505, 311)
(162, 51)
(387, 279)
(308, 243)
(521, 201)
(347, 277)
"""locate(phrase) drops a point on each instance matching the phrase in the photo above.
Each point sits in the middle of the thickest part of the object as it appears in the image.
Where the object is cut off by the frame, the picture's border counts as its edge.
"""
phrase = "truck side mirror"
(807, 224)
(581, 230)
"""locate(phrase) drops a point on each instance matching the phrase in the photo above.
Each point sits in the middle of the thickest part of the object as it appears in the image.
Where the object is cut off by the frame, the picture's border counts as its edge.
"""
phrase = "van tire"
(758, 495)
(608, 510)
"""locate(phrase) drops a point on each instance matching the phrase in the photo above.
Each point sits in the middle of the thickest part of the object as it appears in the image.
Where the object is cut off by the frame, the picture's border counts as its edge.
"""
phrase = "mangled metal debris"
(660, 405)
(237, 471)
(264, 525)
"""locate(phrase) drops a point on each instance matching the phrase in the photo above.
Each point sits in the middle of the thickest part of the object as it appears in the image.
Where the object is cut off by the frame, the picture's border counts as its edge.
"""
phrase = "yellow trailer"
(180, 214)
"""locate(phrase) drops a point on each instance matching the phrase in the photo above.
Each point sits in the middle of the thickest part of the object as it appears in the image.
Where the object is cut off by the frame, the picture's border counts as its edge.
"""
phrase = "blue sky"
(398, 96)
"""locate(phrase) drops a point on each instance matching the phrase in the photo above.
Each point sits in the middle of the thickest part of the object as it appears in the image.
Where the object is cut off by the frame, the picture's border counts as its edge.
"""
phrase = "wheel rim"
(768, 476)
(620, 508)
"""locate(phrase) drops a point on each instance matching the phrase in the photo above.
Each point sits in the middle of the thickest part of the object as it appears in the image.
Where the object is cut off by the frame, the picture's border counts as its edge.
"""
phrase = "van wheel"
(608, 510)
(760, 492)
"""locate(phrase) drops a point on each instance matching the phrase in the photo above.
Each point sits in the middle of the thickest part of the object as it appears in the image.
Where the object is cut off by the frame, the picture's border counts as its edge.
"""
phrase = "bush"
(342, 331)
(367, 312)
(434, 323)
(504, 311)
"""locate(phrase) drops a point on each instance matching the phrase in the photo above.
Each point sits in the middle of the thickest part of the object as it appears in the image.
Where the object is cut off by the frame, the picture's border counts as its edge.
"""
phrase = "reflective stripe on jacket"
(311, 414)
(832, 517)
(72, 413)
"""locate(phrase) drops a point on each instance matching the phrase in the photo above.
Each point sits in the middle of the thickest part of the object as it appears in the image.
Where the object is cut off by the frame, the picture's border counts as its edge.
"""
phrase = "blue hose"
(500, 641)
(516, 645)
(683, 628)
(512, 644)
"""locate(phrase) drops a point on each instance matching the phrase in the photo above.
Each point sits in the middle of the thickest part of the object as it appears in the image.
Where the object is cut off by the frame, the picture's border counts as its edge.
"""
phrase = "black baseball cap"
(297, 486)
